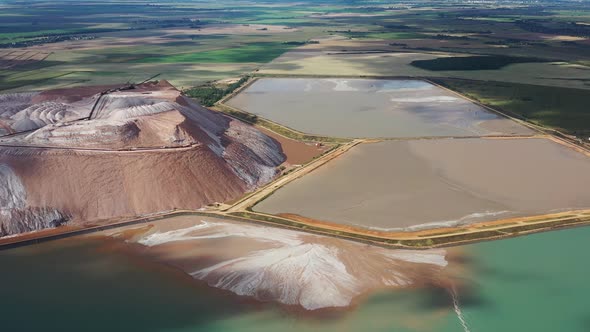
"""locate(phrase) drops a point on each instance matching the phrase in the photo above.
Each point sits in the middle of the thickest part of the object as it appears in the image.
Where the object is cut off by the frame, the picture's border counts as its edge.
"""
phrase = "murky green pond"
(533, 283)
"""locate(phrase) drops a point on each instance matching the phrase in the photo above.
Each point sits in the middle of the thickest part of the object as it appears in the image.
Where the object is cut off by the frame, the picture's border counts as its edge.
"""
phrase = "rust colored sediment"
(297, 152)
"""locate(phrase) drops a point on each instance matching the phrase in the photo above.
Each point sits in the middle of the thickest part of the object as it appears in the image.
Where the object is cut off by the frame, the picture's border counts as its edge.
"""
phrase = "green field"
(475, 42)
(256, 52)
(209, 94)
(560, 108)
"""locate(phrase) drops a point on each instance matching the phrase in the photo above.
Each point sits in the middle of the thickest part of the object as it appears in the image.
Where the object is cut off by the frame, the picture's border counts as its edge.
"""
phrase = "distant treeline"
(558, 28)
(299, 43)
(208, 95)
(396, 26)
(478, 62)
(44, 40)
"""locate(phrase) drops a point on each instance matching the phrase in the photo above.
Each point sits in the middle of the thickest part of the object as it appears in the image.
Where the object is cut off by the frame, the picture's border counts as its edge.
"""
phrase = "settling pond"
(533, 283)
(413, 184)
(370, 108)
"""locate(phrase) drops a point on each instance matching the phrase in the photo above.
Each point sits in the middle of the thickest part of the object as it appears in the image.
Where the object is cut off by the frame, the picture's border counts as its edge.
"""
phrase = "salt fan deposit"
(282, 265)
(141, 150)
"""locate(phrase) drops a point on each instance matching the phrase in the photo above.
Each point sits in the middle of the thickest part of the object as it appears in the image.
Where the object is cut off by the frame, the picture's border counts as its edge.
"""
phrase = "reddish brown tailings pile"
(158, 151)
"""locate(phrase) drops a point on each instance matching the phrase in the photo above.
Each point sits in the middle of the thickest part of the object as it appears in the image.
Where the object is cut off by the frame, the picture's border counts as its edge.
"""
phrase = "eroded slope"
(143, 150)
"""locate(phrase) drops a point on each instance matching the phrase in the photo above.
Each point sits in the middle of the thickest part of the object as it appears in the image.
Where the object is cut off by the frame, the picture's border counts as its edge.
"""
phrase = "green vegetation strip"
(208, 95)
(250, 53)
(483, 62)
(564, 109)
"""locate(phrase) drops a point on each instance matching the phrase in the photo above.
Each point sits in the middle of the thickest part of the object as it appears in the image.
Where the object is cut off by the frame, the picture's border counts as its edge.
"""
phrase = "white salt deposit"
(297, 268)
